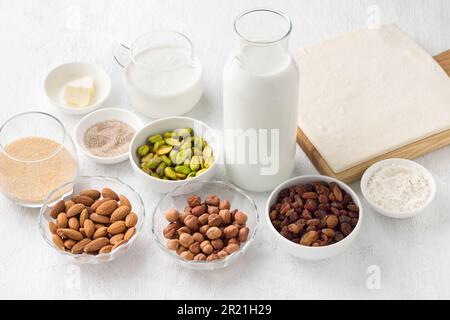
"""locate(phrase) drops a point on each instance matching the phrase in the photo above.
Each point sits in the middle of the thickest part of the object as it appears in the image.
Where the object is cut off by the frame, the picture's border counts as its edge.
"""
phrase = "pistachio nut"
(160, 169)
(164, 150)
(199, 172)
(182, 169)
(172, 141)
(207, 152)
(153, 163)
(195, 163)
(170, 173)
(191, 175)
(155, 138)
(209, 162)
(143, 150)
(182, 156)
(166, 160)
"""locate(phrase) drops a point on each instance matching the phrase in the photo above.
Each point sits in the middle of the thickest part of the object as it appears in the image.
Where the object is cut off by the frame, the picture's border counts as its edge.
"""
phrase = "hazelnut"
(187, 255)
(195, 248)
(194, 201)
(217, 244)
(222, 254)
(233, 240)
(170, 231)
(225, 214)
(186, 240)
(173, 244)
(240, 217)
(181, 249)
(224, 204)
(213, 233)
(212, 257)
(198, 237)
(199, 210)
(231, 231)
(183, 230)
(187, 210)
(206, 247)
(203, 219)
(243, 234)
(172, 215)
(200, 257)
(203, 229)
(212, 200)
(232, 247)
(212, 209)
(191, 222)
(214, 220)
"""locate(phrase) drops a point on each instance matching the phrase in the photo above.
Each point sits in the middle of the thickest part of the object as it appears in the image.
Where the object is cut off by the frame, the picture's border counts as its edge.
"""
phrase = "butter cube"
(79, 92)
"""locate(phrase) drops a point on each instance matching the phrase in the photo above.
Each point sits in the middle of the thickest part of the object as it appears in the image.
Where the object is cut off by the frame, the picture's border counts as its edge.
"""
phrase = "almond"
(59, 207)
(120, 213)
(106, 208)
(69, 204)
(106, 249)
(79, 246)
(74, 224)
(87, 201)
(72, 234)
(62, 221)
(108, 193)
(98, 218)
(100, 232)
(98, 202)
(52, 227)
(58, 241)
(98, 225)
(75, 210)
(89, 228)
(117, 227)
(130, 233)
(118, 244)
(83, 216)
(69, 243)
(91, 193)
(96, 244)
(124, 201)
(131, 220)
(82, 231)
(116, 238)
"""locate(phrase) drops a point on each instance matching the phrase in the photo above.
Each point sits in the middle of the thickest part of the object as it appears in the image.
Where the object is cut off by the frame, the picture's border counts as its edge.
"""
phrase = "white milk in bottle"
(260, 95)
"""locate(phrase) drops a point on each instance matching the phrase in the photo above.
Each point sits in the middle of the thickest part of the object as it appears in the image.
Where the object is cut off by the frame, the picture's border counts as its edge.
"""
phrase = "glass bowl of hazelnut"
(205, 225)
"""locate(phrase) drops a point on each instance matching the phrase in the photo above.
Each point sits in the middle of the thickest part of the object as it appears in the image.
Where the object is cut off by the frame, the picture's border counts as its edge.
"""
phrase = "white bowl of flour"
(398, 188)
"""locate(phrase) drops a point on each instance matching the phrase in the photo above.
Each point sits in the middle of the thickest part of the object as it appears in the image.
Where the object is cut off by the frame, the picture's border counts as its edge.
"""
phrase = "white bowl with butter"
(77, 87)
(398, 188)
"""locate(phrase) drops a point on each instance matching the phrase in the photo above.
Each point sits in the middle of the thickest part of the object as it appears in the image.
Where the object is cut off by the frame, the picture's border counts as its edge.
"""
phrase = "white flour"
(398, 188)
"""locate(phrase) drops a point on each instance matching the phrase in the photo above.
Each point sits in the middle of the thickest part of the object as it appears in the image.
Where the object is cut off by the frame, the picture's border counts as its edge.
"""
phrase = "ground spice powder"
(108, 138)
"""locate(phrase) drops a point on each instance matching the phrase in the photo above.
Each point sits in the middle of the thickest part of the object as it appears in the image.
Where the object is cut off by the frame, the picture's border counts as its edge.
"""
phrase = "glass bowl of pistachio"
(172, 151)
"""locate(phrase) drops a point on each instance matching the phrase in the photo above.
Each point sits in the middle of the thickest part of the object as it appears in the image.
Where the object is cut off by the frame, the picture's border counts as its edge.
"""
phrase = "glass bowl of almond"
(96, 219)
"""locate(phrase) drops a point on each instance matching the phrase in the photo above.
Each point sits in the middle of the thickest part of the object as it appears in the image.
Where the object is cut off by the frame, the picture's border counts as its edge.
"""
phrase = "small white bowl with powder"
(398, 188)
(104, 136)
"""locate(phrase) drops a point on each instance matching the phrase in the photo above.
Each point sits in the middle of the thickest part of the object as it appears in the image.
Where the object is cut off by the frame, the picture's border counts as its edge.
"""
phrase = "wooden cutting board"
(410, 151)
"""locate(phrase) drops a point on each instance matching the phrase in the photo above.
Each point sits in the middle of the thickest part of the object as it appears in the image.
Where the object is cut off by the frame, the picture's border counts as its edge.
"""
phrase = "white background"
(413, 255)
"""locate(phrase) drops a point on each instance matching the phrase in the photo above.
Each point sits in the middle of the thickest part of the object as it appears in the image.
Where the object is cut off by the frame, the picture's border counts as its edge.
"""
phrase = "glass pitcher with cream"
(162, 75)
(260, 101)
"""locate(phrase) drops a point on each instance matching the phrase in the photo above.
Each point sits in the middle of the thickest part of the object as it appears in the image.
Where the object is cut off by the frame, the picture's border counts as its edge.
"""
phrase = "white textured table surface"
(413, 256)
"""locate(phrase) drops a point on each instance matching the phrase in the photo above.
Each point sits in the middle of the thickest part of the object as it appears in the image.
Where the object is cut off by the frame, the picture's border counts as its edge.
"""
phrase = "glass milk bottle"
(260, 101)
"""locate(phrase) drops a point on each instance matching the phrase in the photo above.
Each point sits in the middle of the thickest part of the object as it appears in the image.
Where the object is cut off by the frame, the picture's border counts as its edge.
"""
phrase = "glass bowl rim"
(48, 200)
(243, 249)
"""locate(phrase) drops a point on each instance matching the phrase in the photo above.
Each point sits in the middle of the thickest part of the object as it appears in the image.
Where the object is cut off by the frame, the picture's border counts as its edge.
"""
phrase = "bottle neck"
(263, 59)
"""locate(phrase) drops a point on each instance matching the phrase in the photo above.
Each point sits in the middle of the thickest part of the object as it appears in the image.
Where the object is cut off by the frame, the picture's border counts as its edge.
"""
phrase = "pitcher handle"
(122, 54)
